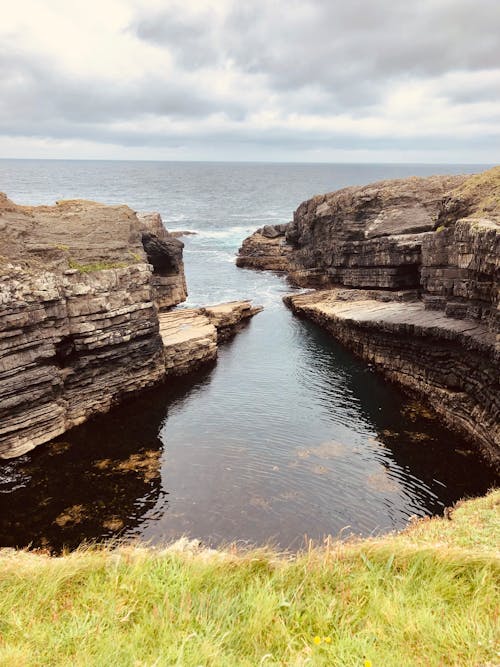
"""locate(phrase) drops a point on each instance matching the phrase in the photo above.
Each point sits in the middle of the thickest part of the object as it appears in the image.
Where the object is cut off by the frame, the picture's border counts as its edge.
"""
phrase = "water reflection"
(95, 482)
(288, 434)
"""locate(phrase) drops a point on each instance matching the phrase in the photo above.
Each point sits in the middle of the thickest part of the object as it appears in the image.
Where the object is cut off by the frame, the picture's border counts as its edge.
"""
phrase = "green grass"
(482, 192)
(96, 266)
(428, 596)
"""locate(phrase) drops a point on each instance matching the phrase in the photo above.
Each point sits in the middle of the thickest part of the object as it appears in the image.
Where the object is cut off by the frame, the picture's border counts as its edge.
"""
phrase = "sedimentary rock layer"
(71, 345)
(366, 236)
(267, 251)
(228, 318)
(164, 253)
(453, 364)
(191, 336)
(81, 287)
(78, 313)
(460, 270)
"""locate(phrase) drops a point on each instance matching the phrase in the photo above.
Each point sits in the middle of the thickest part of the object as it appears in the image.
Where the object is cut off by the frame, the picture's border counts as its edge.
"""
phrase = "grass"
(96, 266)
(482, 192)
(427, 596)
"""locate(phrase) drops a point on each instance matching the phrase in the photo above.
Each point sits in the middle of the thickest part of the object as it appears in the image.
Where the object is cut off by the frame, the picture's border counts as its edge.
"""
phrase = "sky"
(258, 80)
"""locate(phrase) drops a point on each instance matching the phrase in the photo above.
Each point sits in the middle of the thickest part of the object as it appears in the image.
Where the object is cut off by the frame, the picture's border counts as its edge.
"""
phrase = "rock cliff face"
(266, 249)
(164, 253)
(78, 315)
(451, 363)
(428, 252)
(368, 236)
(461, 261)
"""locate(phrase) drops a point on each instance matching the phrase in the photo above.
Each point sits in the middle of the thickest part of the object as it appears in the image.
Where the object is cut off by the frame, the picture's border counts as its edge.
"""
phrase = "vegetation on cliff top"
(482, 194)
(428, 596)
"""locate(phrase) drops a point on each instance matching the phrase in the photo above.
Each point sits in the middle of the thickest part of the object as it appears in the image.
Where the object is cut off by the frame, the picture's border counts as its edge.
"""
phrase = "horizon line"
(270, 162)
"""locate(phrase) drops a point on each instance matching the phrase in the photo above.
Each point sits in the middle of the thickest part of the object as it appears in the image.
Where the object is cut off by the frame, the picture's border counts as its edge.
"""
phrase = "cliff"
(413, 267)
(81, 287)
(78, 317)
(451, 363)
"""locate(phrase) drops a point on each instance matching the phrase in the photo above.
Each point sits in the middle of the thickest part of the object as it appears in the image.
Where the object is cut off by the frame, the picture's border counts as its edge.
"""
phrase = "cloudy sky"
(273, 80)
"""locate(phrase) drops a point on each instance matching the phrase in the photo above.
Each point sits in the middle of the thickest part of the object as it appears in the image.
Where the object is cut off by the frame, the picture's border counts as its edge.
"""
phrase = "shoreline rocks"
(265, 251)
(191, 336)
(452, 364)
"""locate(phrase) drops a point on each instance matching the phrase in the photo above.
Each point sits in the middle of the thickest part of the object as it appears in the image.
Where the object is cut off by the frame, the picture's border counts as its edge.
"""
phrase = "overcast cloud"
(311, 80)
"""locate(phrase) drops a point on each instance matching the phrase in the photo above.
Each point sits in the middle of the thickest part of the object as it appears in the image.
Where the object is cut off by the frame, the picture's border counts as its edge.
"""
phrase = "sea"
(287, 438)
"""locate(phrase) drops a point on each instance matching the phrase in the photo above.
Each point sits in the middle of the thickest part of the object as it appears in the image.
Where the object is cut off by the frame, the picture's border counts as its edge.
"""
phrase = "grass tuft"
(96, 266)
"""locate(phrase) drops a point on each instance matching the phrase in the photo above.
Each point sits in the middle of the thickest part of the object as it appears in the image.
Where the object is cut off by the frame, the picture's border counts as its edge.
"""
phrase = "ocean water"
(288, 435)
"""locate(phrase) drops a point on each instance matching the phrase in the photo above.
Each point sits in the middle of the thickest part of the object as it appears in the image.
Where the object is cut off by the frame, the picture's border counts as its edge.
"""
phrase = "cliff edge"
(80, 283)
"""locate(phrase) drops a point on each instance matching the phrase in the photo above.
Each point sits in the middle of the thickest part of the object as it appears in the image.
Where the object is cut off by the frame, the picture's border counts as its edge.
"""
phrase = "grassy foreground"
(427, 596)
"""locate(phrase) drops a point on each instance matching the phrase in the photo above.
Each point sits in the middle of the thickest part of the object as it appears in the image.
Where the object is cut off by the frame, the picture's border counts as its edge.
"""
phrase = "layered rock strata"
(78, 314)
(265, 251)
(438, 240)
(228, 318)
(365, 236)
(452, 363)
(164, 253)
(191, 336)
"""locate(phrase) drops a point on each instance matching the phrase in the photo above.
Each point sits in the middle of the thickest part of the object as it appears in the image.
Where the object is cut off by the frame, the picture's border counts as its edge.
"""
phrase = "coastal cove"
(287, 434)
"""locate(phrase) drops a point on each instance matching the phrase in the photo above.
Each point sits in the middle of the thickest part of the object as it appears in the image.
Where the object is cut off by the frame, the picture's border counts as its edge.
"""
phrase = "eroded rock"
(453, 364)
(79, 326)
(364, 236)
(270, 253)
(191, 335)
(81, 286)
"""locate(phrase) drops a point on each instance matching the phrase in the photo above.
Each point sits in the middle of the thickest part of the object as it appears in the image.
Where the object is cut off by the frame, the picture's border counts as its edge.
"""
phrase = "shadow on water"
(96, 480)
(401, 433)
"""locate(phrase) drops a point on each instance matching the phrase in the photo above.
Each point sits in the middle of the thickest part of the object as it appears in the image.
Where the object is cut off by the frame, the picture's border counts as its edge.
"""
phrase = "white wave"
(224, 255)
(235, 232)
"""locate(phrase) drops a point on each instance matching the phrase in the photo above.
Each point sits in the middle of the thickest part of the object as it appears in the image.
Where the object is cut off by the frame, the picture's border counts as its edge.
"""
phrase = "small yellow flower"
(368, 663)
(327, 640)
(317, 640)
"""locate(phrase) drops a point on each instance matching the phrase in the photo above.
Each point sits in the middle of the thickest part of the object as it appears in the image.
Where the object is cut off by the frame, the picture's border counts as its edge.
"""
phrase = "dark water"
(287, 435)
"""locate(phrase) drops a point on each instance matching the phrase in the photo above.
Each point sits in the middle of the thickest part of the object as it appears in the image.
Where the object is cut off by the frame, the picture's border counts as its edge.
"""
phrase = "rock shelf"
(191, 335)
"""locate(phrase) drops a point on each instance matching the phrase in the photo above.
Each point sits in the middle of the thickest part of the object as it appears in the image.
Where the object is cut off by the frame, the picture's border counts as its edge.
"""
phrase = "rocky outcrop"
(460, 269)
(71, 345)
(461, 260)
(229, 318)
(78, 314)
(81, 286)
(164, 253)
(191, 336)
(428, 252)
(453, 364)
(365, 237)
(266, 249)
(189, 340)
